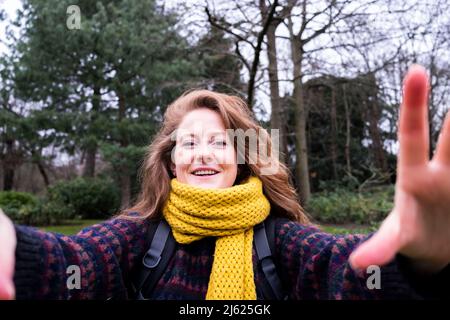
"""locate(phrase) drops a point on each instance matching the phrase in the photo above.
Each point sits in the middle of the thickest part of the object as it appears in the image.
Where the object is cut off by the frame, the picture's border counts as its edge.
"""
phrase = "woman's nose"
(204, 153)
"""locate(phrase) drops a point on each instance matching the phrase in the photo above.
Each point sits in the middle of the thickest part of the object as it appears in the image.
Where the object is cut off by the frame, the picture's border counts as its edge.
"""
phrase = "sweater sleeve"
(314, 265)
(47, 264)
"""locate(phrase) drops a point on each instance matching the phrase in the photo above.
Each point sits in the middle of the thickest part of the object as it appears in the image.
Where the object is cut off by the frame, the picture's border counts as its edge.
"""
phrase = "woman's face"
(203, 155)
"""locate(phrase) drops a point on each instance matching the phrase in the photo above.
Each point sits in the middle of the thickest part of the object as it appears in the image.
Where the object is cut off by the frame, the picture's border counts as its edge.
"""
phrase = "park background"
(84, 85)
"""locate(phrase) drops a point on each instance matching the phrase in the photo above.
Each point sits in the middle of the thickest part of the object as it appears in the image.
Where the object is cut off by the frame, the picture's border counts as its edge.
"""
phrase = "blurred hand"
(419, 225)
(7, 257)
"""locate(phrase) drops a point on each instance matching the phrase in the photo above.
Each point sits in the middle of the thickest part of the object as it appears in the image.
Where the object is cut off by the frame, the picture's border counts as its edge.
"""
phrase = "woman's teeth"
(204, 173)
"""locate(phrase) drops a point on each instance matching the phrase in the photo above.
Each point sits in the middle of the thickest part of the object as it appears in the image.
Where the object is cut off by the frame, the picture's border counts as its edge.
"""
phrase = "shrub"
(342, 206)
(54, 212)
(89, 198)
(25, 208)
(14, 203)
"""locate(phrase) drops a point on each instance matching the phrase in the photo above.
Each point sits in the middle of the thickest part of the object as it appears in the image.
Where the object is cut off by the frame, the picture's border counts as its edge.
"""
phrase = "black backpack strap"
(264, 233)
(155, 260)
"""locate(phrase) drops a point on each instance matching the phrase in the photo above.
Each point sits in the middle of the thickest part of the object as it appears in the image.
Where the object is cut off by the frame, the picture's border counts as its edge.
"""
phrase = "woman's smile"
(205, 172)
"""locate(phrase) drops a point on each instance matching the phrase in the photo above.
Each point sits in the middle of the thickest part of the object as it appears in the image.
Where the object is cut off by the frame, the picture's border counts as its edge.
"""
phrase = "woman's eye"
(220, 143)
(188, 144)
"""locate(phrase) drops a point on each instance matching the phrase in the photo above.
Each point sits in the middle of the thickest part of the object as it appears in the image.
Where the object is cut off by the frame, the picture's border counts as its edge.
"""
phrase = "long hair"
(155, 174)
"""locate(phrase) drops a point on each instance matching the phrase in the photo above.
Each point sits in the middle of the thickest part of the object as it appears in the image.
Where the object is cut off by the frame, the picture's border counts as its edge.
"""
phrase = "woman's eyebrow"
(187, 135)
(195, 135)
(217, 133)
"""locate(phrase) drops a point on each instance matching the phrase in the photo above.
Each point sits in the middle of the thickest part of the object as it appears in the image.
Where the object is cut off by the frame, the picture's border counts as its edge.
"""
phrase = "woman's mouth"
(204, 173)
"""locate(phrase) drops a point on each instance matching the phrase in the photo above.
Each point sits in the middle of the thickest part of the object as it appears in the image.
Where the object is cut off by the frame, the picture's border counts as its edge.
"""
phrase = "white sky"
(10, 7)
(332, 59)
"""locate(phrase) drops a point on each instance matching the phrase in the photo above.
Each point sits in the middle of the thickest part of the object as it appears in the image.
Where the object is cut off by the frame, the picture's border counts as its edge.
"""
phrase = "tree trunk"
(347, 132)
(277, 120)
(257, 52)
(91, 148)
(374, 130)
(301, 165)
(89, 167)
(43, 173)
(8, 179)
(124, 173)
(8, 166)
(333, 133)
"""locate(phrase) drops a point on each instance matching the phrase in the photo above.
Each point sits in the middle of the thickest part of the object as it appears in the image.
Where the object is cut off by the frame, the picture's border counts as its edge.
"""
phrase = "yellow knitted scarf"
(228, 214)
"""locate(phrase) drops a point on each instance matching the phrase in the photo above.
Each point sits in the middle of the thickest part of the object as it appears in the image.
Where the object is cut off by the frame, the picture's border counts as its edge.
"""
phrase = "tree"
(337, 130)
(312, 28)
(277, 118)
(107, 82)
(221, 67)
(247, 32)
(22, 137)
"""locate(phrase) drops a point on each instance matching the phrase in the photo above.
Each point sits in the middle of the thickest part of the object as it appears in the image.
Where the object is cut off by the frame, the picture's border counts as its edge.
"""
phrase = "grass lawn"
(346, 229)
(73, 226)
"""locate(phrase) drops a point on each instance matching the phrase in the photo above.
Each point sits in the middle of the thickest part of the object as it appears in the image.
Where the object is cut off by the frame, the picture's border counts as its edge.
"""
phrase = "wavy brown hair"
(155, 173)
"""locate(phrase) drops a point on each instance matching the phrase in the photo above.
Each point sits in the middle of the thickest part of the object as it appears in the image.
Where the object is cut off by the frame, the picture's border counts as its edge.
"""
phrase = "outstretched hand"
(418, 227)
(7, 257)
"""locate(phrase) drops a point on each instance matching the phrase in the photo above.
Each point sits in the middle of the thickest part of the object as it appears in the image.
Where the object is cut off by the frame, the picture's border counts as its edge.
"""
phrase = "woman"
(192, 177)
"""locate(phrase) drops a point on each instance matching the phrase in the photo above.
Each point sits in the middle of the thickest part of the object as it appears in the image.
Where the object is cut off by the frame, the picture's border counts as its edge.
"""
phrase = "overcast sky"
(10, 7)
(330, 58)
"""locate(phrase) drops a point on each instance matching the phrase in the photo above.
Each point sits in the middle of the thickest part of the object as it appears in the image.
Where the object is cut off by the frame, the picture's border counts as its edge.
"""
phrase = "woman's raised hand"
(419, 225)
(7, 257)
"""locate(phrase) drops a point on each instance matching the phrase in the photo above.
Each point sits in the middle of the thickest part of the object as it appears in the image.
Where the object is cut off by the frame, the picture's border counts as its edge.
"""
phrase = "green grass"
(347, 229)
(70, 227)
(73, 227)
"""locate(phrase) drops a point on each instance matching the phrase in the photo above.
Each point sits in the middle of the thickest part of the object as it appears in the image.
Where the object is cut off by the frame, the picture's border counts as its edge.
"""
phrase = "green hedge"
(25, 208)
(78, 198)
(17, 205)
(343, 206)
(90, 198)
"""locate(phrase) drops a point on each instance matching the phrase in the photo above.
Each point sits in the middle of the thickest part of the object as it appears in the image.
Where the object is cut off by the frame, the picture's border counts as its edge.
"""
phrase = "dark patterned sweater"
(312, 265)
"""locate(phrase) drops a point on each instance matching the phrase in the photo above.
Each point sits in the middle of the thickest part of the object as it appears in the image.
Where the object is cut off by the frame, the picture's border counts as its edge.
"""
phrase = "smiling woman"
(198, 134)
(195, 189)
(204, 156)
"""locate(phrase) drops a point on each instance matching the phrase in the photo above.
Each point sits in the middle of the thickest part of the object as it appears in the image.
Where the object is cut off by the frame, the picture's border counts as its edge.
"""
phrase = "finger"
(413, 128)
(380, 249)
(442, 154)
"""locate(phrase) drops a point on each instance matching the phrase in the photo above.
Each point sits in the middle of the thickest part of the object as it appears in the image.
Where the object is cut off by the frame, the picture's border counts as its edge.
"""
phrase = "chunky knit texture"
(312, 265)
(228, 214)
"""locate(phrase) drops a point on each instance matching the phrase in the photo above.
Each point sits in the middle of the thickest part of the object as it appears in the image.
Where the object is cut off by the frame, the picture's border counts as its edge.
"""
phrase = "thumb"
(380, 248)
